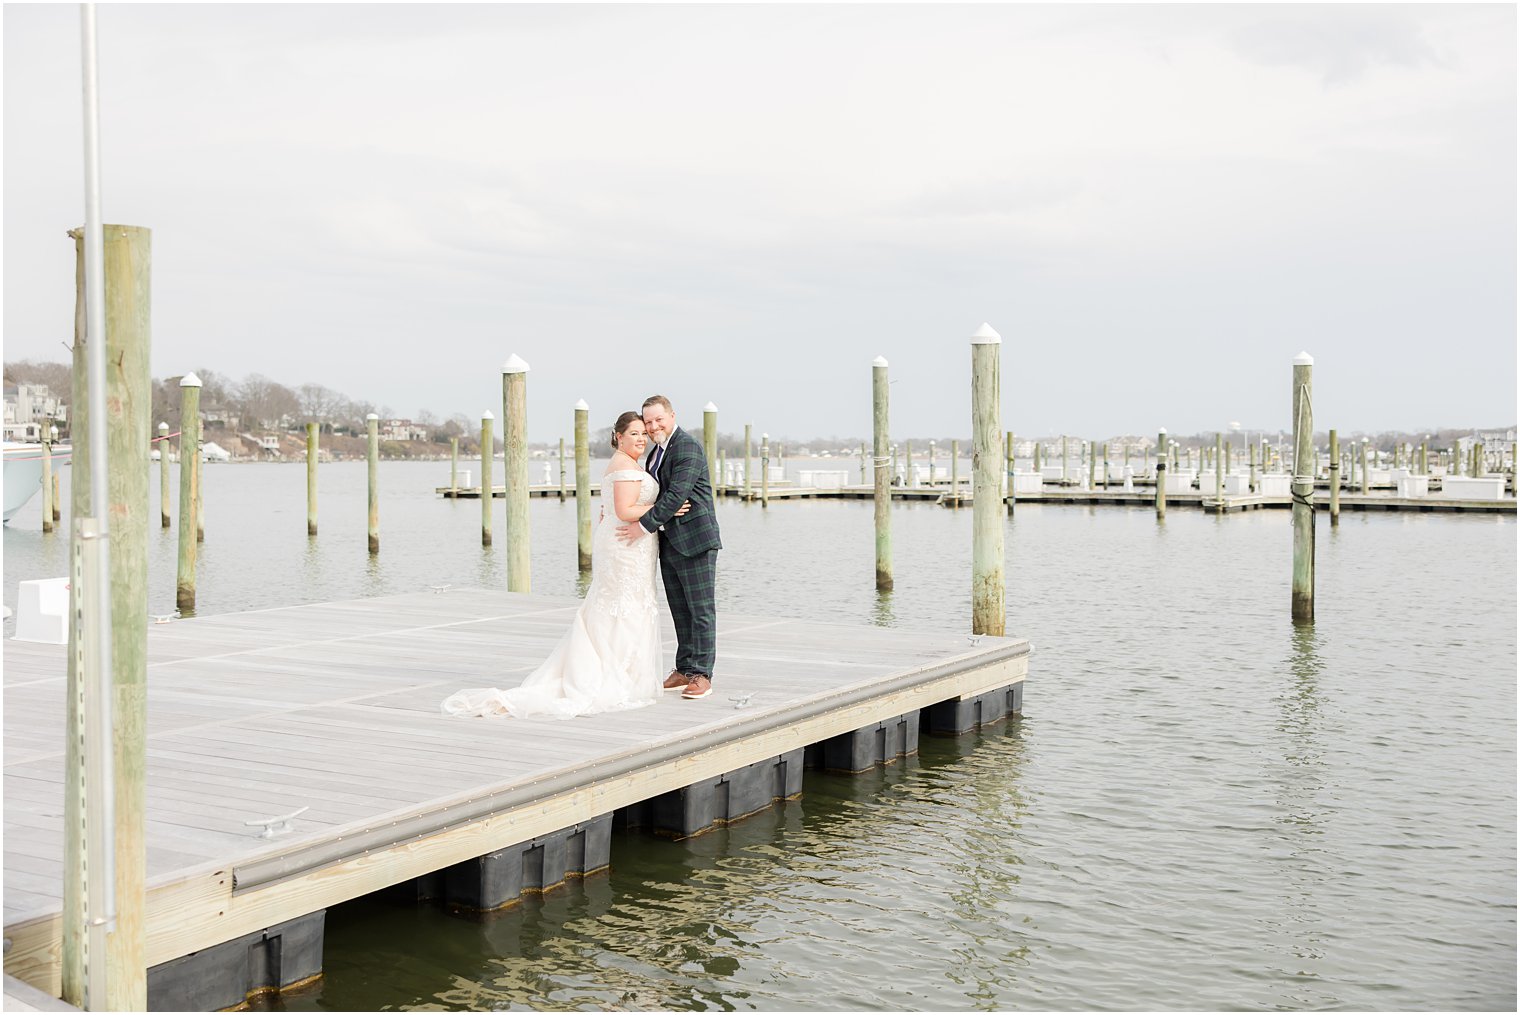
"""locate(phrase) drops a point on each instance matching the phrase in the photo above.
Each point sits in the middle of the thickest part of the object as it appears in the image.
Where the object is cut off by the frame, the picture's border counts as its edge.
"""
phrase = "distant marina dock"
(321, 723)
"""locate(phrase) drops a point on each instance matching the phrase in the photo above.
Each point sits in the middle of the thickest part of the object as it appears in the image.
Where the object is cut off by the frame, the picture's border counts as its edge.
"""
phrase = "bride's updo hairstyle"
(622, 424)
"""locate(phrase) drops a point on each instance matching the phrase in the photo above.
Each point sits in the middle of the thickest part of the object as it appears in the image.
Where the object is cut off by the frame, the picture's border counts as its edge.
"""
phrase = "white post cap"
(986, 336)
(1163, 429)
(709, 407)
(1303, 359)
(879, 361)
(161, 426)
(581, 406)
(488, 414)
(765, 436)
(515, 365)
(190, 381)
(371, 416)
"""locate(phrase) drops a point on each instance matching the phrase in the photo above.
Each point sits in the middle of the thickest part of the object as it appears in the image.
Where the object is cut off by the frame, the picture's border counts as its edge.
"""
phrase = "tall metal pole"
(880, 462)
(1303, 487)
(583, 485)
(514, 435)
(988, 607)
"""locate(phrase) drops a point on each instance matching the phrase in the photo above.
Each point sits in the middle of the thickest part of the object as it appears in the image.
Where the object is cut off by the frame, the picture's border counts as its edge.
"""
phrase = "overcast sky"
(1157, 207)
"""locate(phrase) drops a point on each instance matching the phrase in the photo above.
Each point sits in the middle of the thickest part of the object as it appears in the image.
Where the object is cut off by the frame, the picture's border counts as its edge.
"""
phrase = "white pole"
(100, 795)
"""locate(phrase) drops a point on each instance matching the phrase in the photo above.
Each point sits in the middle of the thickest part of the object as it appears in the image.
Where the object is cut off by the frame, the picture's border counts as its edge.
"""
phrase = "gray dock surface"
(335, 707)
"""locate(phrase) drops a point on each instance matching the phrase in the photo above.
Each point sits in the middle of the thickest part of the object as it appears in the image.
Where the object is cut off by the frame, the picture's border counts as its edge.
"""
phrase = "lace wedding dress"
(610, 657)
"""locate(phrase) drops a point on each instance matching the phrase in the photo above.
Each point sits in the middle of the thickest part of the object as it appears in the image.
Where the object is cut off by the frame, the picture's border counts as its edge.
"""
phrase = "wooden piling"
(583, 485)
(1106, 470)
(710, 441)
(988, 606)
(865, 465)
(748, 484)
(47, 484)
(125, 317)
(487, 484)
(1009, 465)
(163, 475)
(1335, 478)
(514, 425)
(454, 467)
(1092, 464)
(1218, 473)
(955, 471)
(932, 449)
(189, 489)
(1425, 457)
(1303, 488)
(562, 490)
(311, 479)
(883, 478)
(1161, 456)
(373, 423)
(908, 479)
(765, 470)
(57, 501)
(1366, 478)
(1065, 461)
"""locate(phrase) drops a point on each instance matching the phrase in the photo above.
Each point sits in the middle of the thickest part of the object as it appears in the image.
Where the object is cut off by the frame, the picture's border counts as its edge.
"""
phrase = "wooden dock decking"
(334, 707)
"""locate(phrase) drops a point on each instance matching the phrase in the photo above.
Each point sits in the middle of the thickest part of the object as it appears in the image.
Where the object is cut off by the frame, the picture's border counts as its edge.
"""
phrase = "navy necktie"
(654, 466)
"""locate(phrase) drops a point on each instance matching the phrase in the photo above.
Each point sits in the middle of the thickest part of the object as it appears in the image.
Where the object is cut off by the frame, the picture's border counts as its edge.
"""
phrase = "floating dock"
(334, 708)
(1057, 493)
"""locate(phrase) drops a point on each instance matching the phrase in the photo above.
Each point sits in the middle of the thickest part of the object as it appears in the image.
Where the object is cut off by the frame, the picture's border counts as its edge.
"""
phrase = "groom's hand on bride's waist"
(628, 532)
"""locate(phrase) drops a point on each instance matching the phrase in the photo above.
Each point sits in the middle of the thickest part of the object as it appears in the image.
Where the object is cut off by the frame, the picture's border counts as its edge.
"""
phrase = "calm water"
(1203, 806)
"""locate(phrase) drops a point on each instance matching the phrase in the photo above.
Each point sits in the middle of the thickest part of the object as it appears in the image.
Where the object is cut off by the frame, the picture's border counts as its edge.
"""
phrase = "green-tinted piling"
(487, 483)
(883, 479)
(1161, 448)
(373, 423)
(748, 455)
(1335, 478)
(163, 476)
(988, 590)
(765, 470)
(189, 489)
(311, 479)
(1303, 488)
(583, 485)
(514, 426)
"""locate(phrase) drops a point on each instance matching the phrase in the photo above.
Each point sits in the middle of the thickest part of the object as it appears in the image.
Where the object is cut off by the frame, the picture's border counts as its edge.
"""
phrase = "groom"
(688, 544)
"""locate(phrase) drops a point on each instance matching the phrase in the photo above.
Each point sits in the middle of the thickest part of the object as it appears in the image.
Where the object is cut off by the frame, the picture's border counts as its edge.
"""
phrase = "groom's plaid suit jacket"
(683, 477)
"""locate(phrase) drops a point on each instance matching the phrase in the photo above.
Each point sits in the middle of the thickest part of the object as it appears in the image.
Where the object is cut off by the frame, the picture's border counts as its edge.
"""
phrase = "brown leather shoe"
(676, 681)
(700, 687)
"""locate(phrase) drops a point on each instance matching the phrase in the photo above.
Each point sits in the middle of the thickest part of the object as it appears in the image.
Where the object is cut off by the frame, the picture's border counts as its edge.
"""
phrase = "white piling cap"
(189, 381)
(371, 416)
(1303, 359)
(709, 407)
(163, 426)
(515, 365)
(581, 406)
(1163, 429)
(986, 336)
(765, 436)
(488, 414)
(879, 361)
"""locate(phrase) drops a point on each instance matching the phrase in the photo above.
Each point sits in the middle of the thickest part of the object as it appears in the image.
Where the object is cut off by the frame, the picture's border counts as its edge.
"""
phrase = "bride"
(610, 657)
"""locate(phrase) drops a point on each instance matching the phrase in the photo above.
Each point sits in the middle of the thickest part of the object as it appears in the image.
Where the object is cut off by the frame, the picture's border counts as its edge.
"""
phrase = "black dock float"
(279, 958)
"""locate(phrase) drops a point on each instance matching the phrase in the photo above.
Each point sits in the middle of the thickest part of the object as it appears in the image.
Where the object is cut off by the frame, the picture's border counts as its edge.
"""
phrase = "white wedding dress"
(610, 657)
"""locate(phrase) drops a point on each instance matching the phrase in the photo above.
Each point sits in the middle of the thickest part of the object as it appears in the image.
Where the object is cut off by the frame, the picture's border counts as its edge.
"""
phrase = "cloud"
(1337, 45)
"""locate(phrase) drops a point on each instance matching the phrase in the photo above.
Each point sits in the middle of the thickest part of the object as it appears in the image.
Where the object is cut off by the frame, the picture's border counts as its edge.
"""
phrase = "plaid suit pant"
(690, 583)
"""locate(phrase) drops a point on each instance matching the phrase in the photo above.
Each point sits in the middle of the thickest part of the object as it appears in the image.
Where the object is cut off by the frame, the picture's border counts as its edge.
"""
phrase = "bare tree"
(318, 403)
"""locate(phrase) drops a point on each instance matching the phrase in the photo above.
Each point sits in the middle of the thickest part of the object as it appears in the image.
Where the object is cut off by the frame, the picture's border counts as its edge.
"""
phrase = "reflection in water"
(884, 616)
(1306, 868)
